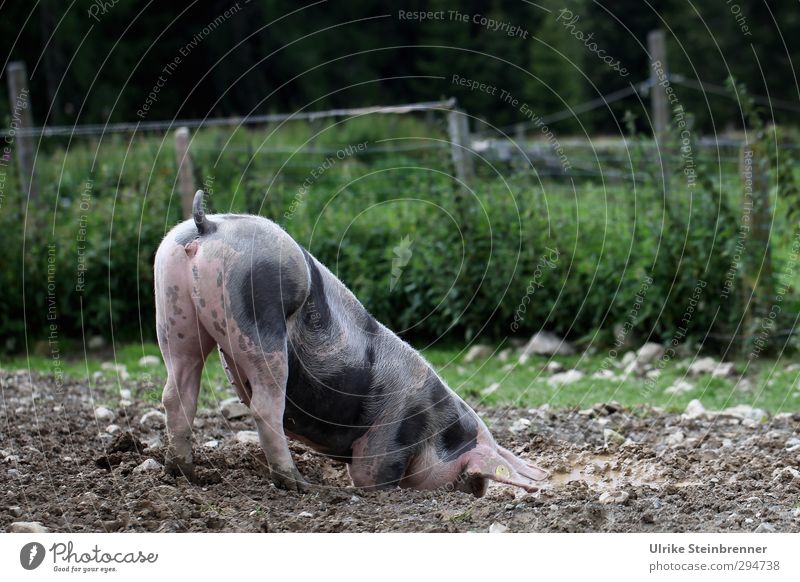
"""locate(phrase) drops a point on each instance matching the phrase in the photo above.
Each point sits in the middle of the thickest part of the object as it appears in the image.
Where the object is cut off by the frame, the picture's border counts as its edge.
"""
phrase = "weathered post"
(186, 187)
(21, 119)
(458, 129)
(657, 47)
(758, 288)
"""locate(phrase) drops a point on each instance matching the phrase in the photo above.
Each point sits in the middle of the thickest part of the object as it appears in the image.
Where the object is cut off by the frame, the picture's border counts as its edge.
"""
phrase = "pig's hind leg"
(184, 344)
(267, 376)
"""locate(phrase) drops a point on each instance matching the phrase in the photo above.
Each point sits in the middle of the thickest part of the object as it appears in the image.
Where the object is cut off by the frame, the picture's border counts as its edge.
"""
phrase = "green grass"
(523, 385)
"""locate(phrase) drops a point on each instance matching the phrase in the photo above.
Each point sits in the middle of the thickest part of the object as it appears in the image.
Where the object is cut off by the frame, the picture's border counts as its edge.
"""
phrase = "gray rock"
(614, 497)
(247, 436)
(612, 436)
(212, 444)
(520, 425)
(233, 408)
(306, 514)
(679, 387)
(497, 527)
(695, 409)
(565, 378)
(149, 361)
(113, 428)
(724, 370)
(96, 342)
(765, 527)
(15, 510)
(675, 438)
(27, 527)
(745, 411)
(554, 367)
(649, 353)
(478, 352)
(103, 414)
(703, 366)
(545, 343)
(153, 419)
(148, 466)
(490, 389)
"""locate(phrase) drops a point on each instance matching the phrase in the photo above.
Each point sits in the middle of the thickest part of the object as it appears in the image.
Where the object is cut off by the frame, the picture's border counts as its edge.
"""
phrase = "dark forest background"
(87, 69)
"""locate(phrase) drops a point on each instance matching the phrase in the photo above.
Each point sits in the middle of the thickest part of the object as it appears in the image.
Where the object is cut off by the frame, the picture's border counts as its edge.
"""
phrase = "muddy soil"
(654, 472)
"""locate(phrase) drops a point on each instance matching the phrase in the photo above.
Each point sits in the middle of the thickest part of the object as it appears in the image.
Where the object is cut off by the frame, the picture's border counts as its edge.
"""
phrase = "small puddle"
(605, 472)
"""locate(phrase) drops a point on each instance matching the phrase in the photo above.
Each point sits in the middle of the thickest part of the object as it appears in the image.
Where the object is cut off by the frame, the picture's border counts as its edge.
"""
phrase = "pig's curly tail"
(204, 225)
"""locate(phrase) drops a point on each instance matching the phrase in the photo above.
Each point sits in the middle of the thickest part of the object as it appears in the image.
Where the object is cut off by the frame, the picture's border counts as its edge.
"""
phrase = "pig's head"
(464, 456)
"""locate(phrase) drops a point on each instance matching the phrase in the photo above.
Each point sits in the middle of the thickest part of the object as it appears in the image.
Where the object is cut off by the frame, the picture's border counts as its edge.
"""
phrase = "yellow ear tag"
(502, 471)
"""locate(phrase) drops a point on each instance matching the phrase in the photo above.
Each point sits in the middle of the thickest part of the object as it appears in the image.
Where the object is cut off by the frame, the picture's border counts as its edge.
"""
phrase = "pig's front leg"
(268, 381)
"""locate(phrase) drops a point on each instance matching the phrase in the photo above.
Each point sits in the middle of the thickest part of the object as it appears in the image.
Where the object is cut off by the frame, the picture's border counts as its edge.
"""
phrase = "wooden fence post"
(186, 186)
(20, 108)
(657, 47)
(458, 130)
(757, 277)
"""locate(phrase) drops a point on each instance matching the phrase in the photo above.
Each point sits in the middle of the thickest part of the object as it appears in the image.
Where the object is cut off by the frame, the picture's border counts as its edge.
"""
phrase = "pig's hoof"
(180, 468)
(289, 480)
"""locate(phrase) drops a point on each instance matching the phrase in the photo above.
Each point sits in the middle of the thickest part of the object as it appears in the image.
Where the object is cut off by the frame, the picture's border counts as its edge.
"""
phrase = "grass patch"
(772, 386)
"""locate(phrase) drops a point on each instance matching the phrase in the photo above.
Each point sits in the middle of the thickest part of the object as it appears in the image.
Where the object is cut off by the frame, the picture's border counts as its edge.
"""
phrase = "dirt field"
(732, 472)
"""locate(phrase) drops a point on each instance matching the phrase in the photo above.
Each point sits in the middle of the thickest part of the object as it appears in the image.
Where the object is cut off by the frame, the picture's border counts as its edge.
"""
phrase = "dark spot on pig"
(391, 471)
(219, 328)
(181, 336)
(242, 343)
(457, 439)
(202, 302)
(316, 312)
(335, 410)
(213, 313)
(172, 321)
(195, 272)
(413, 429)
(219, 279)
(266, 295)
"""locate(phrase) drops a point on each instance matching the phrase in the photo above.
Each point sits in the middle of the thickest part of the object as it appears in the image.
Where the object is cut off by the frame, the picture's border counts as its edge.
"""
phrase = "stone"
(675, 438)
(148, 466)
(627, 359)
(27, 527)
(679, 387)
(153, 419)
(233, 408)
(147, 361)
(649, 353)
(212, 444)
(554, 367)
(605, 374)
(615, 497)
(505, 354)
(565, 378)
(694, 409)
(765, 527)
(103, 414)
(612, 436)
(125, 394)
(745, 411)
(306, 514)
(478, 352)
(247, 437)
(724, 370)
(490, 389)
(96, 342)
(545, 343)
(703, 366)
(498, 528)
(520, 425)
(113, 428)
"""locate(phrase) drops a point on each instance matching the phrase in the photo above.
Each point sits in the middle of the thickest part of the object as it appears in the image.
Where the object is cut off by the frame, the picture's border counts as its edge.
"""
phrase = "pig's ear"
(498, 464)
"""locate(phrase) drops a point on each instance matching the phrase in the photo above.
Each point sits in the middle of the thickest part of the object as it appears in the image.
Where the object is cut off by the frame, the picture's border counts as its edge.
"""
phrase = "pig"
(311, 363)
